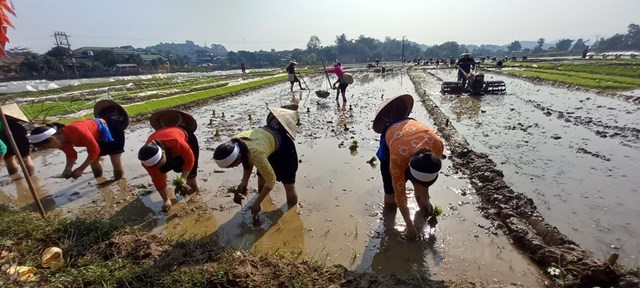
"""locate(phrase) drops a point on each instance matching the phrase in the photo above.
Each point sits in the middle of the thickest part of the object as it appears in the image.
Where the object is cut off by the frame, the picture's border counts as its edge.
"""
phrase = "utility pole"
(62, 40)
(402, 60)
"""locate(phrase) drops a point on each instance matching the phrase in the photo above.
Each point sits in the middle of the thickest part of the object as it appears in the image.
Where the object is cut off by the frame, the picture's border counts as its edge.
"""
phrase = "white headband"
(424, 177)
(42, 136)
(153, 160)
(224, 163)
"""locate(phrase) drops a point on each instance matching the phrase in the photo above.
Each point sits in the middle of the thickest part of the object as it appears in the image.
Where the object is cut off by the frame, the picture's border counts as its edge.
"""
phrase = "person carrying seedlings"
(408, 150)
(291, 70)
(14, 118)
(343, 80)
(271, 150)
(102, 135)
(173, 146)
(465, 63)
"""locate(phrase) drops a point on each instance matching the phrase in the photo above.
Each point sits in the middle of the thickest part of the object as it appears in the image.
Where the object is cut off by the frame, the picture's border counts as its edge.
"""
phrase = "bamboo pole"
(27, 177)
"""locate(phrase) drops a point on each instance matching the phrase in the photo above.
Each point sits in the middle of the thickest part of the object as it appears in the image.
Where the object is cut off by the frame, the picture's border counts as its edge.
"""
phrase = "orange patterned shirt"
(404, 139)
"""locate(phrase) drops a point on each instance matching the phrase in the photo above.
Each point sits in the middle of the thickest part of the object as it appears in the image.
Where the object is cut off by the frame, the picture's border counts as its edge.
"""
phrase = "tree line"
(358, 50)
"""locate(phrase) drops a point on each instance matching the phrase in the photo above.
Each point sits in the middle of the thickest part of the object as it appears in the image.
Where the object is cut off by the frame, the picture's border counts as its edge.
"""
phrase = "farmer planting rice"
(103, 135)
(408, 150)
(173, 146)
(343, 80)
(14, 118)
(271, 149)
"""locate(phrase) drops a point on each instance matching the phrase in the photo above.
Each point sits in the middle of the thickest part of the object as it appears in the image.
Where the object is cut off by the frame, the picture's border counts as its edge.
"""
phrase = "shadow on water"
(388, 252)
(279, 229)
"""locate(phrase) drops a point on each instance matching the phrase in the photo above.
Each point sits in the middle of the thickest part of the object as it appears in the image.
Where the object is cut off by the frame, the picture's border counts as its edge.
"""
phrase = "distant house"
(126, 69)
(87, 52)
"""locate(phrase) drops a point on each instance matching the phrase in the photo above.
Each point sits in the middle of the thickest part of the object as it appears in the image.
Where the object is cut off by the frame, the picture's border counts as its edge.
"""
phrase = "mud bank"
(516, 214)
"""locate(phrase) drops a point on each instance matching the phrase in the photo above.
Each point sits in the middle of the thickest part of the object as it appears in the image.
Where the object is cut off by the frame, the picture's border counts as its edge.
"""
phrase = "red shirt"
(81, 134)
(175, 141)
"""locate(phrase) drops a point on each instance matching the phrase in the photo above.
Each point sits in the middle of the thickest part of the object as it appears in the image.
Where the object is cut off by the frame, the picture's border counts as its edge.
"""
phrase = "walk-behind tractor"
(473, 83)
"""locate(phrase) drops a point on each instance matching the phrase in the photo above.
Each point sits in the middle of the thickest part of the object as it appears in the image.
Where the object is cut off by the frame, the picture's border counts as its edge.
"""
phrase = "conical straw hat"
(14, 111)
(99, 110)
(392, 110)
(288, 118)
(173, 118)
(348, 78)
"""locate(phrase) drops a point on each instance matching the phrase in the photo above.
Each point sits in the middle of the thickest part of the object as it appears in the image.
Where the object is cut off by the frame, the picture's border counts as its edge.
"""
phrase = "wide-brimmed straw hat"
(293, 62)
(173, 118)
(12, 110)
(287, 117)
(348, 78)
(103, 108)
(465, 54)
(392, 110)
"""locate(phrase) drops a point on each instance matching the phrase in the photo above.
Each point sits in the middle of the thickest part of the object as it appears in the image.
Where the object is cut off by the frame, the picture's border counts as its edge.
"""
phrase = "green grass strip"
(173, 101)
(573, 80)
(597, 77)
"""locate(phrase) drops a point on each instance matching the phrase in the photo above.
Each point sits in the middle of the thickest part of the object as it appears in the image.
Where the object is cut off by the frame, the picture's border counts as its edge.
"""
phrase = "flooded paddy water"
(574, 153)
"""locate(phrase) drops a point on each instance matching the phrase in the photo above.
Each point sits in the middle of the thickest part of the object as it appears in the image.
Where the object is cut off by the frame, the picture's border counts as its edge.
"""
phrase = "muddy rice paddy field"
(573, 153)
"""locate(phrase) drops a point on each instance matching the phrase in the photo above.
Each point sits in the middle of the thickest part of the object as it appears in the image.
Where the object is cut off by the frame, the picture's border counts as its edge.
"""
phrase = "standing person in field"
(271, 150)
(465, 63)
(14, 118)
(342, 81)
(408, 150)
(293, 78)
(243, 67)
(103, 135)
(173, 146)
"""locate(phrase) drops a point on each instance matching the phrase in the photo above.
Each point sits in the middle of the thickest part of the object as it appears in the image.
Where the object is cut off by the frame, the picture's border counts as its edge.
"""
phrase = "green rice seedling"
(354, 145)
(437, 211)
(180, 186)
(217, 132)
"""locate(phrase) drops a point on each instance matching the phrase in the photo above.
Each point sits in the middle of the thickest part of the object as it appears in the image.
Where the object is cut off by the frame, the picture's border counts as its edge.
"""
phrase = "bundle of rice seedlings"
(180, 186)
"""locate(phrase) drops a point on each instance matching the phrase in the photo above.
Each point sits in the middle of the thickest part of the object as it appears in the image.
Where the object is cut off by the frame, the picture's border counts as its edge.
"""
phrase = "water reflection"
(464, 107)
(388, 252)
(24, 199)
(190, 220)
(280, 229)
(125, 206)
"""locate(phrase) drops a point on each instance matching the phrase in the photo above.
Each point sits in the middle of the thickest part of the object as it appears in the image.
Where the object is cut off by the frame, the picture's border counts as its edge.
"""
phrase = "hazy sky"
(287, 24)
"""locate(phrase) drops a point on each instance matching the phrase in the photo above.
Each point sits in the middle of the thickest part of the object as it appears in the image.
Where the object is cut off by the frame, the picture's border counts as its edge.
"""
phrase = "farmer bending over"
(101, 136)
(408, 151)
(271, 149)
(14, 116)
(342, 87)
(173, 146)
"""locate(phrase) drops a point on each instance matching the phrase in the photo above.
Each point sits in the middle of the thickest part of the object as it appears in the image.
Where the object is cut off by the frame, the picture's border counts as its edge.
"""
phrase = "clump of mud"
(516, 214)
(135, 247)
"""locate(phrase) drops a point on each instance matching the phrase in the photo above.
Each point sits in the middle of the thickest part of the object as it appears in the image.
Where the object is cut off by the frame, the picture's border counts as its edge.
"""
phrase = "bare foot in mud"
(166, 206)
